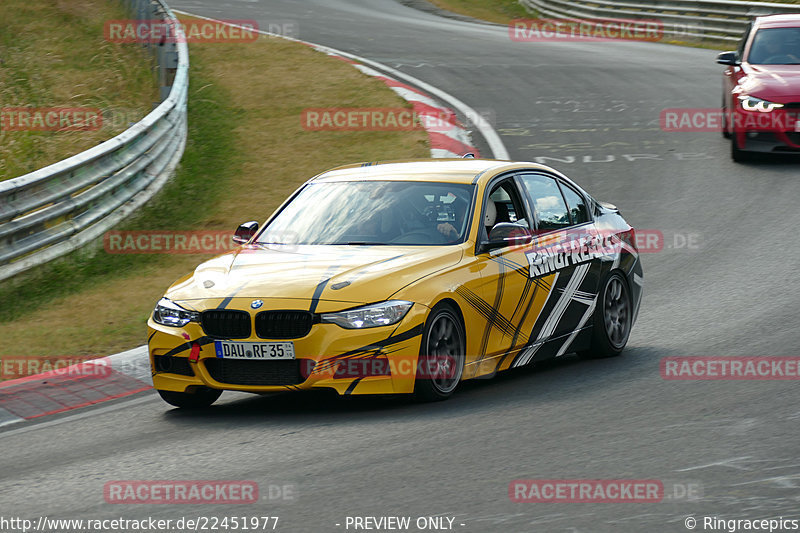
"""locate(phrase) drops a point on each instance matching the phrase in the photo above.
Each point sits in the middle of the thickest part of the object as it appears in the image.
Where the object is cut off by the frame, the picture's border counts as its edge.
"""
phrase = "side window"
(547, 201)
(576, 205)
(508, 204)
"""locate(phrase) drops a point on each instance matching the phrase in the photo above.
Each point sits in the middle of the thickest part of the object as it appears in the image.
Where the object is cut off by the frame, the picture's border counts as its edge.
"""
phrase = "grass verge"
(499, 11)
(54, 54)
(246, 153)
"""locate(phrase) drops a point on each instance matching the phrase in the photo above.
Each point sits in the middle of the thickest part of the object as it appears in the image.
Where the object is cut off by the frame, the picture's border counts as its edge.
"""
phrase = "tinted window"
(546, 199)
(576, 205)
(775, 46)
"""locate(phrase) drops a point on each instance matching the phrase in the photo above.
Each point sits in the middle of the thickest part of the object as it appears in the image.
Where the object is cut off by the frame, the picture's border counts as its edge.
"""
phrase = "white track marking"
(497, 147)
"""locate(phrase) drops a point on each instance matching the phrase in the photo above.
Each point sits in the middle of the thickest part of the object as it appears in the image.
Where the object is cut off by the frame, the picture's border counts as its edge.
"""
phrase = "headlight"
(168, 313)
(751, 103)
(370, 316)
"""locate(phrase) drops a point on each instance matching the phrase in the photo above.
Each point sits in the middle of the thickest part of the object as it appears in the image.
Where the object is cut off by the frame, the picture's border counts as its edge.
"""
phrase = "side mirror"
(245, 232)
(506, 234)
(728, 58)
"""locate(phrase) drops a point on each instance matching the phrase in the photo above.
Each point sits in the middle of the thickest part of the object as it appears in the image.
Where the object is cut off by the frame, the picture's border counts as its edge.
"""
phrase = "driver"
(447, 229)
(772, 48)
(772, 45)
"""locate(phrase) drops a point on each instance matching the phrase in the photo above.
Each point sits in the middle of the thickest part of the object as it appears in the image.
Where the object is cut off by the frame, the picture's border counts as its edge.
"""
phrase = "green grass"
(203, 174)
(246, 152)
(499, 11)
(54, 54)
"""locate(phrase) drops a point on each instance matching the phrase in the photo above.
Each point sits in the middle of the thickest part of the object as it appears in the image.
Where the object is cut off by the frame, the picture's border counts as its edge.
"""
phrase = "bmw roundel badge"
(256, 304)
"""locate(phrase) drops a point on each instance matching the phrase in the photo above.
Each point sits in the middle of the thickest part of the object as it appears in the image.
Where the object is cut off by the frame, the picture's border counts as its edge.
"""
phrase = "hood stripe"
(227, 299)
(321, 287)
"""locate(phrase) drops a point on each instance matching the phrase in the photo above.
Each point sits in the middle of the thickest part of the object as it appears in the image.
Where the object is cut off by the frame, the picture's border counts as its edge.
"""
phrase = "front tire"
(737, 154)
(725, 133)
(200, 398)
(442, 356)
(612, 320)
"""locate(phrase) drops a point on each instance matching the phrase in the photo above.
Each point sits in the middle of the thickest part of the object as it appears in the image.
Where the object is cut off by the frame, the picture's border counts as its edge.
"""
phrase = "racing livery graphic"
(402, 278)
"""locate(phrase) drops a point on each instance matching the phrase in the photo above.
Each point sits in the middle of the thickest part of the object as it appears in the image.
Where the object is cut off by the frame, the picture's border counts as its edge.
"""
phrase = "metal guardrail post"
(721, 21)
(54, 210)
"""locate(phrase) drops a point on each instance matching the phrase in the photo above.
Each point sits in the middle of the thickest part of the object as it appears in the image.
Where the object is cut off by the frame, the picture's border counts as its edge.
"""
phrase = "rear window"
(576, 205)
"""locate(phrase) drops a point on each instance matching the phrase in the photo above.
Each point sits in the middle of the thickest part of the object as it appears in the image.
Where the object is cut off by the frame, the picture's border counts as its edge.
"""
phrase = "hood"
(353, 274)
(779, 83)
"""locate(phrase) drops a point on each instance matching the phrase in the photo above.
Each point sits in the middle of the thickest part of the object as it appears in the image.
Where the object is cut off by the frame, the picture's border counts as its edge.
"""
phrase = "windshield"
(373, 213)
(775, 46)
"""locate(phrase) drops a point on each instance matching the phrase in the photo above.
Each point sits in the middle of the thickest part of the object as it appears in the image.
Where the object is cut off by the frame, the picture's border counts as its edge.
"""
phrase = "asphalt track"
(594, 107)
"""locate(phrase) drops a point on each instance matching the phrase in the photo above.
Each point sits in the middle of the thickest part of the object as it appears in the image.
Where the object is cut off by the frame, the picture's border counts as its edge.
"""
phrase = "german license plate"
(268, 351)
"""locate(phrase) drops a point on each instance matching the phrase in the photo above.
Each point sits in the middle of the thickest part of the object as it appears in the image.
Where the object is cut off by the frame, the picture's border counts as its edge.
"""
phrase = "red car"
(761, 88)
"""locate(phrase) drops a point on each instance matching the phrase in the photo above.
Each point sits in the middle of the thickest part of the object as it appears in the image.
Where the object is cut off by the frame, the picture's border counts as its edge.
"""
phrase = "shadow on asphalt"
(543, 383)
(772, 160)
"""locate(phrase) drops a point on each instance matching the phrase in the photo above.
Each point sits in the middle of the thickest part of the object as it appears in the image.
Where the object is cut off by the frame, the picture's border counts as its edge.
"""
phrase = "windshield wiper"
(363, 243)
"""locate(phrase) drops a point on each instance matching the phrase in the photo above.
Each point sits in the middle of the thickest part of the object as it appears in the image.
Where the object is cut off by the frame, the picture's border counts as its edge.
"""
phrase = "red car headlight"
(751, 103)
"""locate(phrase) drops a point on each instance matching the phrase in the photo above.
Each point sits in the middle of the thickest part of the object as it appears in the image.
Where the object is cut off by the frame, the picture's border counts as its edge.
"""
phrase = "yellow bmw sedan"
(402, 278)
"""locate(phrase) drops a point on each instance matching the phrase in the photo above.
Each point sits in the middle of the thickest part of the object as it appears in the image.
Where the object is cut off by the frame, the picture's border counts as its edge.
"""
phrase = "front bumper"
(770, 142)
(776, 131)
(380, 360)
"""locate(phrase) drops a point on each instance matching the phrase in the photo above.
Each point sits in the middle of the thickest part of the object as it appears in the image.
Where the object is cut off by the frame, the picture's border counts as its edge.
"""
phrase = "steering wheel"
(431, 212)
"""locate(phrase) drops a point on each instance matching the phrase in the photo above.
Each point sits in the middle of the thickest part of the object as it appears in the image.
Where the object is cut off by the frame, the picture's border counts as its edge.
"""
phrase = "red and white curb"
(453, 142)
(72, 387)
(128, 373)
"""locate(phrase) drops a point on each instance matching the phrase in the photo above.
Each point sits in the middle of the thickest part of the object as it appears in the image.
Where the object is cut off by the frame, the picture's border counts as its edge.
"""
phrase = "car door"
(506, 296)
(565, 255)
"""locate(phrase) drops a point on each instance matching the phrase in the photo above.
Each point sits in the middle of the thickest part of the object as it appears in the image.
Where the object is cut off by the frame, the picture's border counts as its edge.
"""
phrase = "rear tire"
(442, 356)
(201, 398)
(612, 319)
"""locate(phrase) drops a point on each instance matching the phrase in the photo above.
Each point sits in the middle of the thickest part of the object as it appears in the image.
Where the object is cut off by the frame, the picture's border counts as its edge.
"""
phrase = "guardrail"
(61, 207)
(723, 21)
